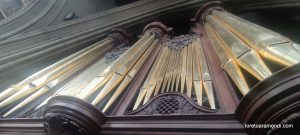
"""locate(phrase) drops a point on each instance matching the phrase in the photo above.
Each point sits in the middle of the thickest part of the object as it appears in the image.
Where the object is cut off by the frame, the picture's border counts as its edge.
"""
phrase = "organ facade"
(221, 74)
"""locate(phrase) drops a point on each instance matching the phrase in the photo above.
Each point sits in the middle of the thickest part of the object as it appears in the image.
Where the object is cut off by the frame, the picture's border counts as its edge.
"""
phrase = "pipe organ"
(179, 67)
(223, 66)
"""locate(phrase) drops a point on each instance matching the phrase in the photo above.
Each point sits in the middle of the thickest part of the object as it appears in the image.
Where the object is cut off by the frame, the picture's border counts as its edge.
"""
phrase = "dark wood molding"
(250, 5)
(22, 126)
(215, 124)
(158, 28)
(293, 119)
(271, 100)
(119, 36)
(204, 10)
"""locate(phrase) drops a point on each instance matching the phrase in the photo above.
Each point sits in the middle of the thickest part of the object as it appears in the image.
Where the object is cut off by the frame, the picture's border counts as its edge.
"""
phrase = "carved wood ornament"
(71, 116)
(171, 104)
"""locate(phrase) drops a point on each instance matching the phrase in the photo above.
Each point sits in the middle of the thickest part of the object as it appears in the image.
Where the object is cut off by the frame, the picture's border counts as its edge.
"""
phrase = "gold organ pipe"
(174, 70)
(136, 56)
(119, 75)
(49, 86)
(197, 79)
(141, 96)
(154, 76)
(83, 78)
(170, 71)
(163, 70)
(207, 82)
(245, 56)
(73, 86)
(151, 74)
(227, 62)
(183, 69)
(97, 82)
(189, 71)
(166, 78)
(178, 69)
(130, 76)
(54, 74)
(14, 88)
(105, 75)
(269, 44)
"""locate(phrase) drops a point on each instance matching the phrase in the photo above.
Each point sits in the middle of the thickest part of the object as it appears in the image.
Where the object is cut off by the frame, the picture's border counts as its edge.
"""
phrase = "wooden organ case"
(214, 79)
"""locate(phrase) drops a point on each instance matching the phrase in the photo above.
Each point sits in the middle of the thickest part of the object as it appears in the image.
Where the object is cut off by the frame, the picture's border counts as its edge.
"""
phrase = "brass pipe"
(178, 69)
(245, 56)
(166, 76)
(169, 74)
(197, 79)
(151, 79)
(120, 73)
(189, 71)
(40, 82)
(14, 88)
(163, 71)
(140, 97)
(50, 85)
(174, 70)
(105, 75)
(207, 81)
(269, 44)
(143, 89)
(183, 69)
(79, 83)
(176, 65)
(227, 62)
(155, 74)
(76, 83)
(87, 77)
(130, 76)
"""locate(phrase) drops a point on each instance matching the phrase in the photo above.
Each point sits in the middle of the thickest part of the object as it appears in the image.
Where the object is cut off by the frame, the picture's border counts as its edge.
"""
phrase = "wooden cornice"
(247, 5)
(173, 125)
(155, 125)
(22, 126)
